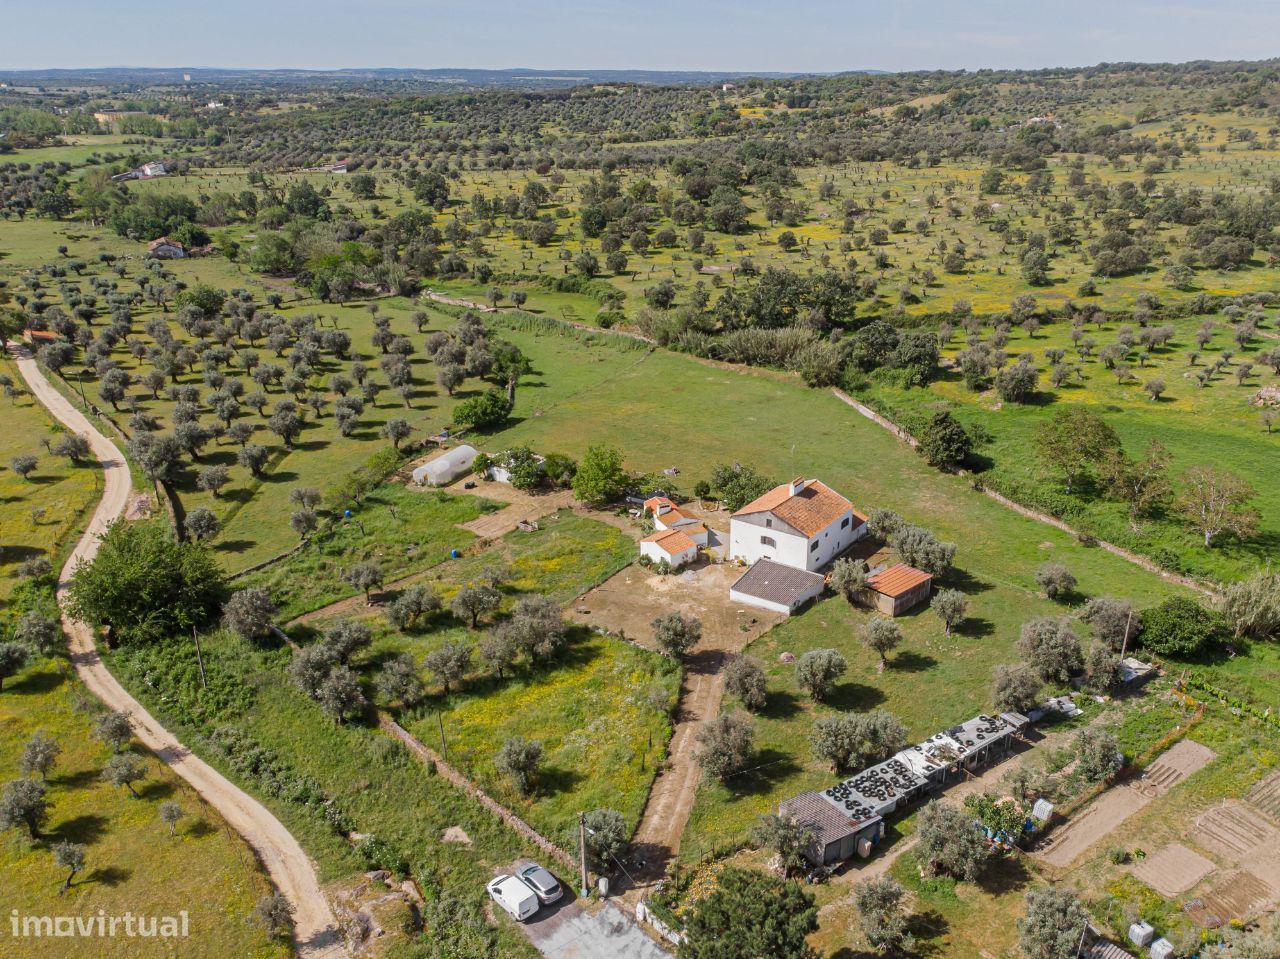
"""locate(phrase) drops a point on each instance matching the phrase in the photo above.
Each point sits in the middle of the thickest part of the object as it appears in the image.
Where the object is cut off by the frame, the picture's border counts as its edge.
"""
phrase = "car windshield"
(540, 877)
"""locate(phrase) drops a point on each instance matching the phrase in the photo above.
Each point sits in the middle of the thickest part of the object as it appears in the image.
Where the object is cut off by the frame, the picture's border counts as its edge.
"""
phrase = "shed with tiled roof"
(899, 589)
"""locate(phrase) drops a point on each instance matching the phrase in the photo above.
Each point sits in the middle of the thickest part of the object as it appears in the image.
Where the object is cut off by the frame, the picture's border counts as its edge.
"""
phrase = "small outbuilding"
(446, 467)
(166, 249)
(899, 589)
(837, 835)
(776, 587)
(671, 546)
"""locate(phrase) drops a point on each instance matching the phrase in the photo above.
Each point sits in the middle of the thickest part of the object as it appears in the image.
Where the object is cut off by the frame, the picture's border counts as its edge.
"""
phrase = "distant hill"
(518, 78)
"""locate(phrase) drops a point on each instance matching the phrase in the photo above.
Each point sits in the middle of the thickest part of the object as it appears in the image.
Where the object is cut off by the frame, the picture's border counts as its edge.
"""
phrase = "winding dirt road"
(316, 931)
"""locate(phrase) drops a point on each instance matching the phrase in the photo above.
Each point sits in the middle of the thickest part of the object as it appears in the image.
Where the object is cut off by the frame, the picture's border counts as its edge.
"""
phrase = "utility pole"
(1125, 644)
(582, 852)
(195, 638)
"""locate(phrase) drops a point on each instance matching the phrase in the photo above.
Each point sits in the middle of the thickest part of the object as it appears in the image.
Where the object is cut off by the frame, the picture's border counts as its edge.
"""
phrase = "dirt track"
(291, 871)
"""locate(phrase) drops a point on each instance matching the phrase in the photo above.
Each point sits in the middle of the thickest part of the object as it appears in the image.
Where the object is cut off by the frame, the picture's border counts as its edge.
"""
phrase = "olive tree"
(817, 670)
(745, 678)
(520, 759)
(725, 745)
(675, 633)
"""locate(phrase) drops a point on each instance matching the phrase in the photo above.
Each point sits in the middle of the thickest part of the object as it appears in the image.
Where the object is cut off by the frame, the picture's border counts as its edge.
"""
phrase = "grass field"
(132, 862)
(398, 529)
(601, 710)
(1216, 424)
(41, 512)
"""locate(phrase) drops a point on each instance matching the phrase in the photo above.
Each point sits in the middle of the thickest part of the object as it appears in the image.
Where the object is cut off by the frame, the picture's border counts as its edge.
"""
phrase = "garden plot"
(1233, 830)
(1173, 870)
(1113, 807)
(1266, 794)
(1239, 897)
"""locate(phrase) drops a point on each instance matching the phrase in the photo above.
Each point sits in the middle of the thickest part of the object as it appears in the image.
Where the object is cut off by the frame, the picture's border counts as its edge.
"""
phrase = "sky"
(719, 35)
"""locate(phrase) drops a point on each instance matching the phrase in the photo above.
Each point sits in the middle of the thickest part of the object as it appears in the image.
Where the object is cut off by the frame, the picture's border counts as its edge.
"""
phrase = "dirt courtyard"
(628, 602)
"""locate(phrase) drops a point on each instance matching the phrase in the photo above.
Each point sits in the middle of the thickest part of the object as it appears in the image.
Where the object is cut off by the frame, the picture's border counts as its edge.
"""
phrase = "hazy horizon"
(819, 36)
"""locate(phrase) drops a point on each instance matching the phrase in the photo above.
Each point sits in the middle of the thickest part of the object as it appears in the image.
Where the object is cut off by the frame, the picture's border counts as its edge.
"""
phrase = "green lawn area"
(600, 714)
(1210, 425)
(398, 528)
(41, 512)
(131, 861)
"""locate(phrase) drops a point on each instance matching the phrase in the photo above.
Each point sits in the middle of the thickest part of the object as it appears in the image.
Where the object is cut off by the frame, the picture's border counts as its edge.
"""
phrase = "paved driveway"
(568, 930)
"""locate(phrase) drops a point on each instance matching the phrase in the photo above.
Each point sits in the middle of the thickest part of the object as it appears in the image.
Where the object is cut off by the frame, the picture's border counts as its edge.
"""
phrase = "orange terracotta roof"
(811, 510)
(670, 541)
(693, 529)
(896, 580)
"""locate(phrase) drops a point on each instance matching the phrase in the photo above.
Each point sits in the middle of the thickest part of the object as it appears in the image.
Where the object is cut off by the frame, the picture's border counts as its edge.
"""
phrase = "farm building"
(502, 464)
(837, 834)
(446, 468)
(166, 249)
(889, 786)
(773, 586)
(803, 524)
(671, 545)
(899, 589)
(154, 168)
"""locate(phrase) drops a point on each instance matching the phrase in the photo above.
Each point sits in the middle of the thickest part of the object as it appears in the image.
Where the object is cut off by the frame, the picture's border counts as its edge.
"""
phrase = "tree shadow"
(110, 876)
(769, 767)
(36, 683)
(1004, 874)
(156, 789)
(974, 627)
(86, 829)
(848, 697)
(200, 828)
(912, 661)
(780, 704)
(280, 476)
(19, 554)
(555, 779)
(966, 582)
(233, 545)
(77, 779)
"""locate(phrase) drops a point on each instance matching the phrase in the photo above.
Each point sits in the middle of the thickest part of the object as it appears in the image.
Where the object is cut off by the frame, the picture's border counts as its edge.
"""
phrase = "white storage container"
(1141, 933)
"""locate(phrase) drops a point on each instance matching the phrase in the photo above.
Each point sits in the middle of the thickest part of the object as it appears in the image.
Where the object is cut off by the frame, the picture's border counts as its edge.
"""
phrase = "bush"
(1181, 627)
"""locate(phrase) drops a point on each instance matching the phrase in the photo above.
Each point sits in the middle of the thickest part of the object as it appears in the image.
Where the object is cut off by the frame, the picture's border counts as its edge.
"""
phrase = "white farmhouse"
(804, 524)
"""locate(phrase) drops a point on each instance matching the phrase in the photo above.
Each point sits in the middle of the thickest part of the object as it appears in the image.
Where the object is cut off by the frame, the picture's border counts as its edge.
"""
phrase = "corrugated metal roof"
(897, 580)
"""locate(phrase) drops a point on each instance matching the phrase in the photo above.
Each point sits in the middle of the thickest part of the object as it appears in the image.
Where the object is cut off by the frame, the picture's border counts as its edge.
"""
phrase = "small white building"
(671, 545)
(447, 467)
(803, 524)
(773, 586)
(154, 168)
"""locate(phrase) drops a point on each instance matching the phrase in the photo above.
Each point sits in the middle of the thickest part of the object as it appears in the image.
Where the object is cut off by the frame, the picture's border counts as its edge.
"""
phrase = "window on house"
(813, 547)
(768, 541)
(768, 523)
(844, 523)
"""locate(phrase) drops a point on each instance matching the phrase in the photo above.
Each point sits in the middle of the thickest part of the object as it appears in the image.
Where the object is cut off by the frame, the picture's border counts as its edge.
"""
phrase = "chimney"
(796, 485)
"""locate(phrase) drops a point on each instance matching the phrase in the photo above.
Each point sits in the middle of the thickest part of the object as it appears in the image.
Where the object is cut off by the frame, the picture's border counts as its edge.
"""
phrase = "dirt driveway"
(627, 603)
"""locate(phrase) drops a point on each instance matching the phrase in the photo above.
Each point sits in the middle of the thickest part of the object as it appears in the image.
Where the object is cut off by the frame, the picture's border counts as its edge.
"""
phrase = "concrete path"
(569, 930)
(315, 928)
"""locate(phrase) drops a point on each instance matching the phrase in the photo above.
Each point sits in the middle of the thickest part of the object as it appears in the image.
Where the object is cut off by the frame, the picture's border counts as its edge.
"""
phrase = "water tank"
(1161, 949)
(864, 848)
(1141, 933)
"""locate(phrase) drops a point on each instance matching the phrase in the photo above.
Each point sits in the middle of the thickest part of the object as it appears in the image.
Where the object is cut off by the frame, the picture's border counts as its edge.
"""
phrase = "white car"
(514, 896)
(545, 886)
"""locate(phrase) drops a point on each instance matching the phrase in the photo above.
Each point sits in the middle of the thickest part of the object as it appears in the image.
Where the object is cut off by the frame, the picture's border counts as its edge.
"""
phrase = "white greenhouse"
(447, 467)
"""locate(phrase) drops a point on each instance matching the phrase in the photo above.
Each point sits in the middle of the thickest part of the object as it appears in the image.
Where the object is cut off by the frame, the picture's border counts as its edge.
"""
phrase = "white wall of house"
(748, 600)
(658, 554)
(762, 536)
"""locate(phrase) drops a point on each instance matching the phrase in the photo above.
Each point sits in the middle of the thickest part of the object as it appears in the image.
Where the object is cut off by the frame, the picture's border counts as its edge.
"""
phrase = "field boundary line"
(1136, 559)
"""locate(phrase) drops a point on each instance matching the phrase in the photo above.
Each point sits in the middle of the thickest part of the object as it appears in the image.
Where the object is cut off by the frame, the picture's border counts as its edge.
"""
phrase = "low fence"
(426, 754)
